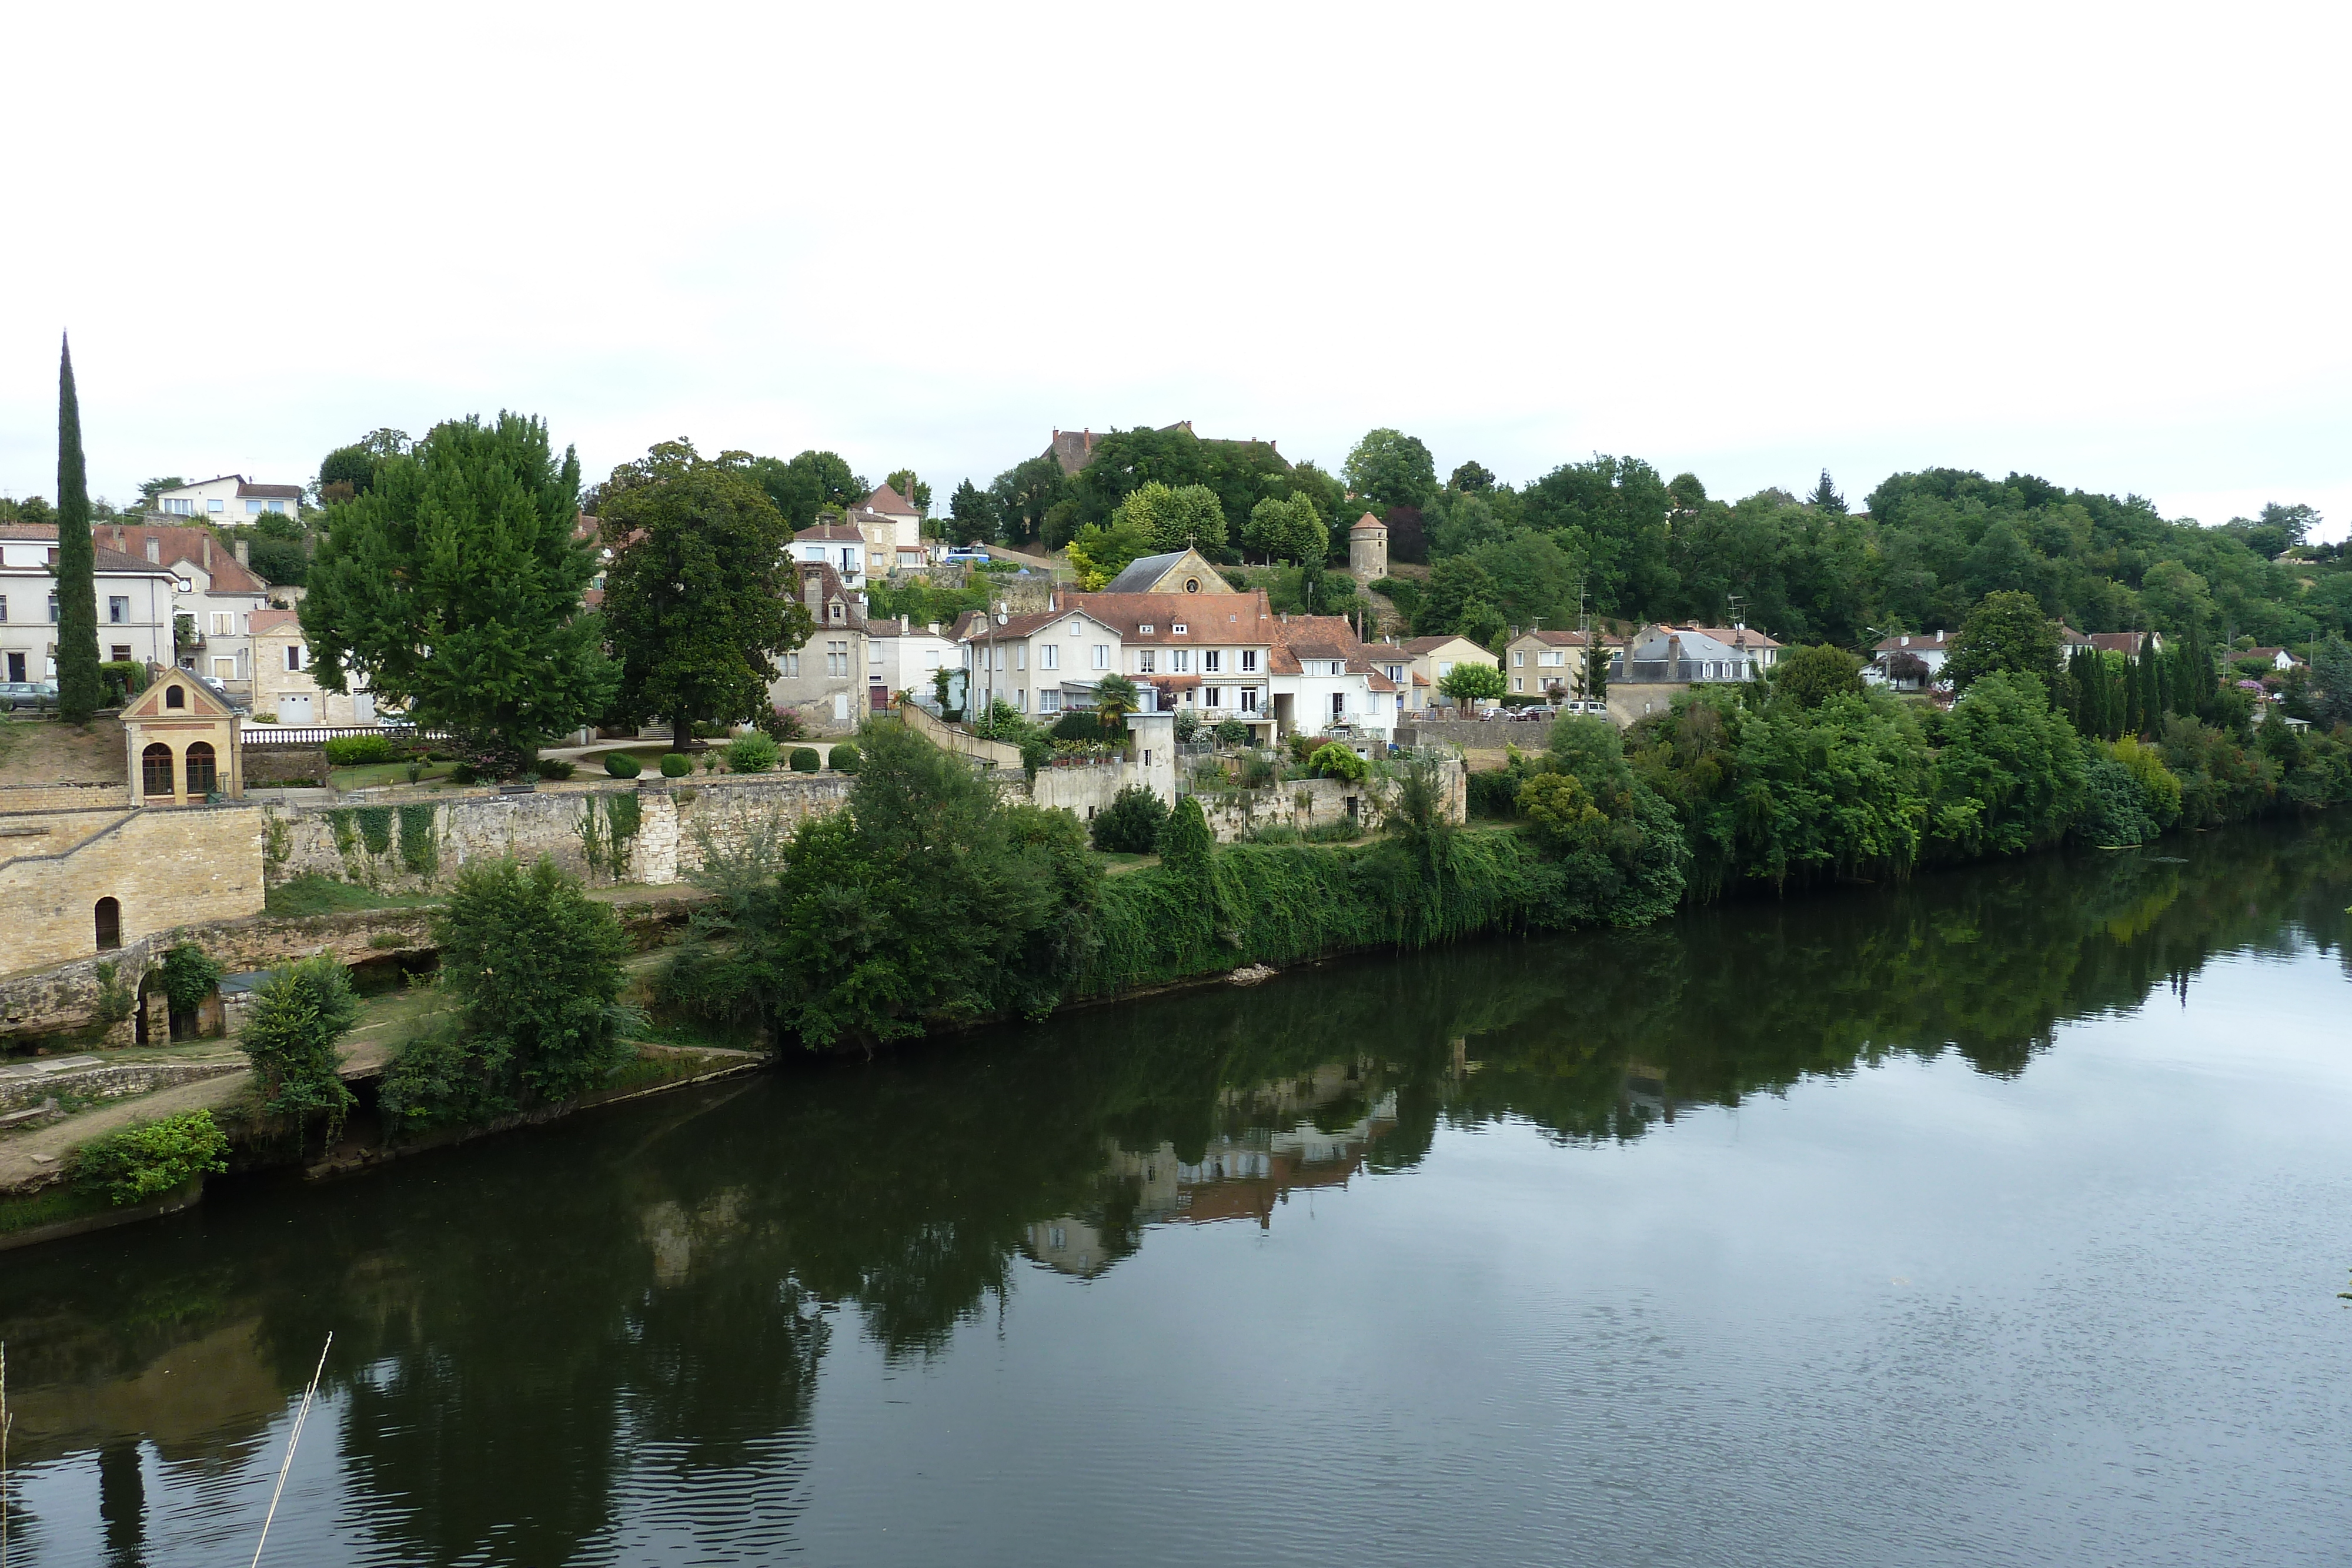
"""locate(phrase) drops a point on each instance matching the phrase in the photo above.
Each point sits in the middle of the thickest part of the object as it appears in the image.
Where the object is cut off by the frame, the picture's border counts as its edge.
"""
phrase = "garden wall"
(1478, 734)
(1308, 803)
(164, 868)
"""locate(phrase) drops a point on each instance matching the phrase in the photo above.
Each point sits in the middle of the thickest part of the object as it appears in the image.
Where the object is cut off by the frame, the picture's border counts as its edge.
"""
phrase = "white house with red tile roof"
(1207, 651)
(1043, 664)
(213, 586)
(892, 528)
(837, 545)
(1325, 675)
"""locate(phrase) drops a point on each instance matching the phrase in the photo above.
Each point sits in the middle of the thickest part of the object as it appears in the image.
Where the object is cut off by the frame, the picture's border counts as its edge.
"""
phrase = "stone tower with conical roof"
(1368, 550)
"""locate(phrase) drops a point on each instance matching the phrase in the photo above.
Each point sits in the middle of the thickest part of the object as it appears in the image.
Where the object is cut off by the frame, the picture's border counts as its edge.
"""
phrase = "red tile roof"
(1298, 638)
(1207, 618)
(185, 544)
(886, 499)
(267, 620)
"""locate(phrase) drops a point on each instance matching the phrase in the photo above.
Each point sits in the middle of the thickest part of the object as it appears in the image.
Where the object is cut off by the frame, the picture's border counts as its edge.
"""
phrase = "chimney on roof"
(208, 550)
(932, 627)
(813, 592)
(903, 625)
(154, 549)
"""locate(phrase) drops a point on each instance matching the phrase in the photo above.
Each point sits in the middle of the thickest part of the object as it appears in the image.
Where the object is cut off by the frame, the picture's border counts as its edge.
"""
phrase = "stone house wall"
(164, 867)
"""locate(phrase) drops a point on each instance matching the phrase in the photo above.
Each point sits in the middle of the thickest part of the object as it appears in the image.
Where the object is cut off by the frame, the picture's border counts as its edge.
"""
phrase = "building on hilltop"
(1073, 449)
(837, 545)
(892, 528)
(1661, 662)
(1368, 550)
(231, 498)
(1435, 658)
(1909, 660)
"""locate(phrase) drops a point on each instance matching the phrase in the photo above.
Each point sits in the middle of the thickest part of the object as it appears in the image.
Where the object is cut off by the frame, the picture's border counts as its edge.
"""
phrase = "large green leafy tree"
(1392, 468)
(975, 515)
(699, 597)
(454, 585)
(910, 484)
(1286, 528)
(2331, 681)
(2005, 632)
(1240, 473)
(2010, 773)
(1024, 493)
(79, 688)
(1616, 510)
(1175, 517)
(809, 483)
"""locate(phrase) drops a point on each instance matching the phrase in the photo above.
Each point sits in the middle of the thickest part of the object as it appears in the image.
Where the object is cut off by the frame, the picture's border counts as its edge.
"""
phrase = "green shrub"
(784, 725)
(1494, 792)
(1188, 723)
(1232, 732)
(535, 965)
(290, 1035)
(621, 765)
(1131, 824)
(844, 758)
(359, 750)
(126, 675)
(148, 1159)
(710, 730)
(805, 759)
(1335, 760)
(676, 765)
(1079, 724)
(751, 753)
(1185, 843)
(1259, 770)
(554, 769)
(465, 773)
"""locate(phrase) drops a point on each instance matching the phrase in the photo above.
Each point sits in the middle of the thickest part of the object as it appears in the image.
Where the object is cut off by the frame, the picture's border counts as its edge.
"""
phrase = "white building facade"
(230, 500)
(135, 600)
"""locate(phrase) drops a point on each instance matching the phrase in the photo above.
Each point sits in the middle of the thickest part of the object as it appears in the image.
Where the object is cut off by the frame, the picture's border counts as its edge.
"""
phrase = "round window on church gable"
(1192, 585)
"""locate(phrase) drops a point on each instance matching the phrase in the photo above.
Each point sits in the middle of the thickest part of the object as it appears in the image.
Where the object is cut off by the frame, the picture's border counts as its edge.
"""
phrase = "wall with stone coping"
(109, 1082)
(63, 797)
(1082, 791)
(1480, 735)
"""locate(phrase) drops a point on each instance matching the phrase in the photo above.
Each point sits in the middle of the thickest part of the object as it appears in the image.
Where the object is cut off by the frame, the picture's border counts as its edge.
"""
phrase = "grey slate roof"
(1141, 573)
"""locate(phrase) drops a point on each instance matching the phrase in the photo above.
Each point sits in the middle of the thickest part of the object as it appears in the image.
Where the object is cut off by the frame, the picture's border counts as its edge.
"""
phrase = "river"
(1997, 1218)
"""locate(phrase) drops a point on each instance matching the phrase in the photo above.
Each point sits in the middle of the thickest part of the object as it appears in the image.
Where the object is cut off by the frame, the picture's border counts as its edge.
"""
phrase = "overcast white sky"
(2106, 243)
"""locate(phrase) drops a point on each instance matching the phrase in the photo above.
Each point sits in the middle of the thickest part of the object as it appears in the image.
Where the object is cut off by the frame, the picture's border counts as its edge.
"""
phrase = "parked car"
(29, 693)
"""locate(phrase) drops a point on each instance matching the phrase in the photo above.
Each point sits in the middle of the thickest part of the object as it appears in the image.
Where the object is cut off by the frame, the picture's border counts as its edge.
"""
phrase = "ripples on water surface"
(1996, 1220)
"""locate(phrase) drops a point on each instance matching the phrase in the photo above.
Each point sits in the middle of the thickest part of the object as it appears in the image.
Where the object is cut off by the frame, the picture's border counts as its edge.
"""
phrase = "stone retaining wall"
(613, 832)
(63, 797)
(109, 1082)
(1477, 734)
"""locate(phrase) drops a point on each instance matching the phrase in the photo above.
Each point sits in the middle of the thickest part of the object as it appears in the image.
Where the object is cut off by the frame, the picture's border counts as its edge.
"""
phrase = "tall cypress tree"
(78, 689)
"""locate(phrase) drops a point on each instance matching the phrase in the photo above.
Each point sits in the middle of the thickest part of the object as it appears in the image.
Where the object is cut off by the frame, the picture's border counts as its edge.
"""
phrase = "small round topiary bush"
(676, 765)
(805, 759)
(358, 750)
(844, 757)
(554, 769)
(621, 765)
(751, 753)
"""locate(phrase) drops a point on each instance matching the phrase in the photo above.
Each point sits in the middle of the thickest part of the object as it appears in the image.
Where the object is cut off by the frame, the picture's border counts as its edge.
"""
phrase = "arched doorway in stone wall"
(110, 924)
(155, 772)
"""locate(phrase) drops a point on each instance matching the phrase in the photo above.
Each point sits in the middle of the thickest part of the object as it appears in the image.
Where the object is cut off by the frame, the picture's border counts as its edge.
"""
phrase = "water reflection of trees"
(514, 1319)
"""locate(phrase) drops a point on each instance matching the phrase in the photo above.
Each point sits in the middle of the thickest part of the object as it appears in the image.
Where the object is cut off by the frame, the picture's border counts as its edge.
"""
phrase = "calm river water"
(1998, 1218)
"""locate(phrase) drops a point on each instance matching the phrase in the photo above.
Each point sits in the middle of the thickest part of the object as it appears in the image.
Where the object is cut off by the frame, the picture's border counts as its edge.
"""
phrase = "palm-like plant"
(1115, 698)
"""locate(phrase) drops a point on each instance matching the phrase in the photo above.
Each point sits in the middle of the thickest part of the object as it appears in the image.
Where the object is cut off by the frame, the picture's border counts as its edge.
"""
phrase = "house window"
(175, 696)
(1179, 627)
(836, 658)
(180, 508)
(53, 604)
(202, 779)
(1076, 625)
(1212, 661)
(120, 653)
(1249, 699)
(216, 505)
(1338, 705)
(1519, 656)
(1180, 661)
(1146, 662)
(252, 508)
(224, 622)
(1549, 656)
(1212, 696)
(1019, 655)
(110, 924)
(1192, 585)
(1144, 629)
(4, 607)
(1396, 672)
(1049, 657)
(792, 664)
(1444, 668)
(117, 609)
(1249, 661)
(1049, 702)
(155, 771)
(1020, 699)
(1102, 654)
(1519, 683)
(294, 656)
(183, 585)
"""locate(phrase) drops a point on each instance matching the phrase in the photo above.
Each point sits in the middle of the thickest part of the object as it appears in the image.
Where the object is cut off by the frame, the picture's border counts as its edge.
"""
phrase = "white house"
(901, 656)
(1931, 649)
(1212, 652)
(134, 604)
(229, 499)
(1324, 674)
(837, 545)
